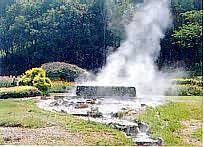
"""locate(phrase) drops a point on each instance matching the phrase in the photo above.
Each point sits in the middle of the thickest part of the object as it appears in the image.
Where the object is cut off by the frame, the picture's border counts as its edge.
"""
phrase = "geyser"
(133, 64)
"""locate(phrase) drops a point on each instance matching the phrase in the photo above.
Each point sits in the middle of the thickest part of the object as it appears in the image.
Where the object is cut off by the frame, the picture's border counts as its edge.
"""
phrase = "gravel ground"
(191, 126)
(41, 136)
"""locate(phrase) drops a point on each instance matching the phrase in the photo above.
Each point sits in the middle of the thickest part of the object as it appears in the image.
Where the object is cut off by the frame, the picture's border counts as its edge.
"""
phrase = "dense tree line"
(33, 32)
(183, 42)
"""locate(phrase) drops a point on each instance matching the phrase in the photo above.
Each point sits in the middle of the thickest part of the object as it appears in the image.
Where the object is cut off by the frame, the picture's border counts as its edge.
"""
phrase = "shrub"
(42, 83)
(186, 90)
(60, 86)
(36, 77)
(19, 92)
(63, 71)
(181, 81)
(28, 77)
(6, 81)
(200, 80)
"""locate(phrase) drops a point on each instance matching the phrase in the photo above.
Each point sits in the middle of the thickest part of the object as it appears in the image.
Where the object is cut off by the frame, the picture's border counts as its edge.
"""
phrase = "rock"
(66, 103)
(143, 139)
(143, 127)
(91, 101)
(81, 105)
(60, 102)
(143, 105)
(54, 103)
(63, 111)
(160, 141)
(58, 97)
(43, 97)
(94, 112)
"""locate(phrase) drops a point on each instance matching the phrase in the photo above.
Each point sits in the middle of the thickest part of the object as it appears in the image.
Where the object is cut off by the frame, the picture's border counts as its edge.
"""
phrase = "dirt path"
(190, 127)
(41, 136)
(49, 136)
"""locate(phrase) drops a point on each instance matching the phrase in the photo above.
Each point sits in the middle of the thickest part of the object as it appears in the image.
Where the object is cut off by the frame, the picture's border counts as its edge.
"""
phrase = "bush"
(42, 83)
(36, 77)
(28, 77)
(60, 86)
(186, 90)
(200, 80)
(181, 81)
(63, 71)
(19, 92)
(6, 81)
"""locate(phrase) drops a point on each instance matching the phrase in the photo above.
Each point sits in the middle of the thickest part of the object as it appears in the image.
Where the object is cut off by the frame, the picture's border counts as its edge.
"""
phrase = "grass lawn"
(173, 121)
(191, 98)
(25, 114)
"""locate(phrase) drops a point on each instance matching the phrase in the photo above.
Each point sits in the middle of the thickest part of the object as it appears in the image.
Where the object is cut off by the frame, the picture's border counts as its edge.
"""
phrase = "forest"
(83, 32)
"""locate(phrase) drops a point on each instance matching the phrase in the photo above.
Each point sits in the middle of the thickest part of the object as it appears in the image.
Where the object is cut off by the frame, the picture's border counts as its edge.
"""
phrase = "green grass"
(197, 134)
(24, 113)
(192, 98)
(164, 120)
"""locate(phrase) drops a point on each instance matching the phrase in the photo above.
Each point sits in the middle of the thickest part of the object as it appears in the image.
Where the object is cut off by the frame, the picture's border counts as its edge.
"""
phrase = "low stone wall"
(105, 91)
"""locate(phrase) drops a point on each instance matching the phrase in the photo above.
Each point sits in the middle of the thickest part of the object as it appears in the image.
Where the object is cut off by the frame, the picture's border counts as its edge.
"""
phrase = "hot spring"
(129, 81)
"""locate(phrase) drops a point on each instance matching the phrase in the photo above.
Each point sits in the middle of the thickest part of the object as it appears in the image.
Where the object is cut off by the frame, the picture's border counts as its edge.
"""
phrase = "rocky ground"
(47, 136)
(190, 127)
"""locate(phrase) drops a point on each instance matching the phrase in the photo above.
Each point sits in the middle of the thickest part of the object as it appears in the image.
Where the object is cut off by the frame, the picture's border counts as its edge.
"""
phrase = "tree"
(189, 35)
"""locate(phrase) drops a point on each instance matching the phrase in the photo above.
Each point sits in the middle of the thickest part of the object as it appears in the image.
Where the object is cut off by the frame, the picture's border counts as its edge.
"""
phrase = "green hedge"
(185, 90)
(188, 90)
(63, 71)
(19, 92)
(186, 81)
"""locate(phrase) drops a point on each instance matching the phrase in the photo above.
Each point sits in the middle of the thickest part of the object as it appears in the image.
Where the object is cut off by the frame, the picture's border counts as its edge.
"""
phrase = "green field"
(170, 121)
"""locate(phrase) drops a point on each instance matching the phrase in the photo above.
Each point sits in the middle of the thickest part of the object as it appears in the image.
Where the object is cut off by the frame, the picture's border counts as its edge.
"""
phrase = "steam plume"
(133, 64)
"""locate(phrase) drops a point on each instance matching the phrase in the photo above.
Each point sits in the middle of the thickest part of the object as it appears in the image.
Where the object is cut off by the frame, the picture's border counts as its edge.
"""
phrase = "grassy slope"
(26, 114)
(165, 120)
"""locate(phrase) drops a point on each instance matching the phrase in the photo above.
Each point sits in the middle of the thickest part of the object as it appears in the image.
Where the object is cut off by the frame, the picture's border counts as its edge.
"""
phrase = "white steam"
(133, 64)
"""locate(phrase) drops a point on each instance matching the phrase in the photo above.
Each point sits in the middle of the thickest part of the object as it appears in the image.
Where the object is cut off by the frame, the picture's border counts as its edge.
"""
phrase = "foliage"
(36, 77)
(6, 81)
(189, 34)
(188, 90)
(60, 87)
(81, 31)
(63, 71)
(33, 33)
(182, 45)
(185, 90)
(12, 112)
(180, 6)
(188, 81)
(164, 121)
(187, 87)
(42, 83)
(19, 92)
(184, 81)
